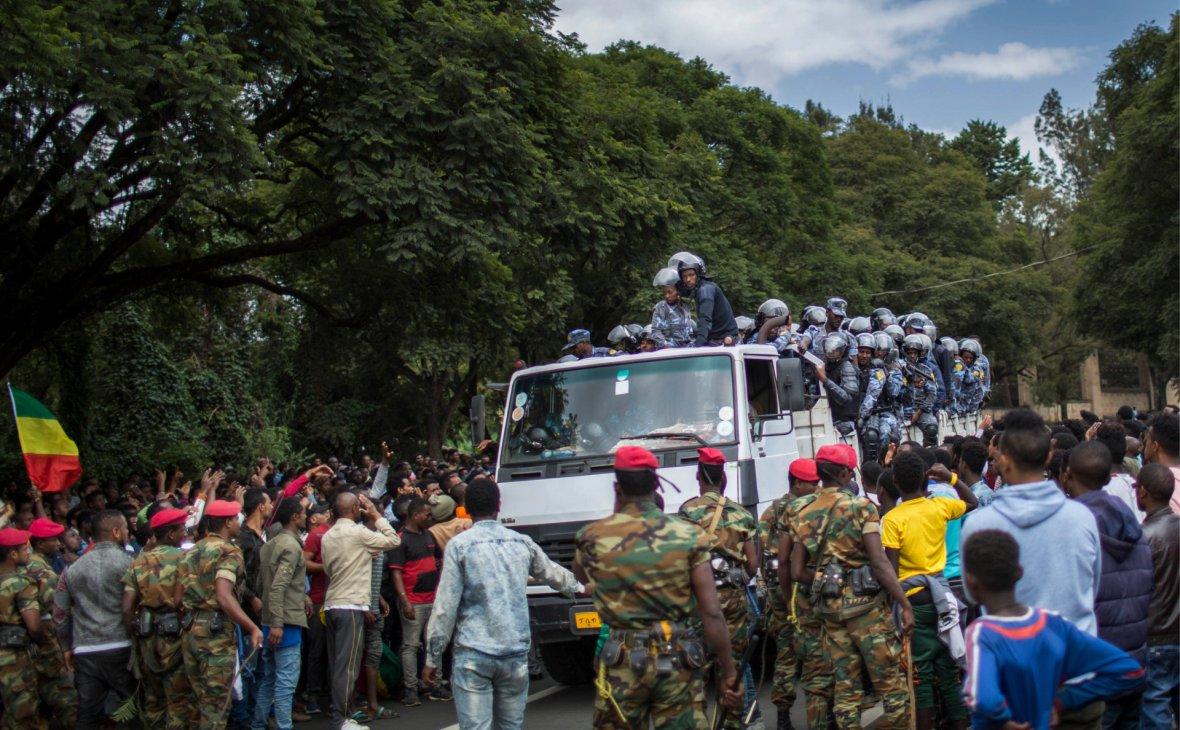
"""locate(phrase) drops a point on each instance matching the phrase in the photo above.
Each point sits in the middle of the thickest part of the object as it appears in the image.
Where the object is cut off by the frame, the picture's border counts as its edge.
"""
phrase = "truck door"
(771, 431)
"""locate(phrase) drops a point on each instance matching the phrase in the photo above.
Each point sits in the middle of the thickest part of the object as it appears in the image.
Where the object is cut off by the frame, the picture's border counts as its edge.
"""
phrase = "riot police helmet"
(666, 277)
(770, 309)
(897, 333)
(949, 344)
(744, 323)
(685, 260)
(927, 343)
(971, 346)
(619, 335)
(835, 346)
(815, 316)
(882, 341)
(915, 343)
(858, 325)
(866, 340)
(881, 318)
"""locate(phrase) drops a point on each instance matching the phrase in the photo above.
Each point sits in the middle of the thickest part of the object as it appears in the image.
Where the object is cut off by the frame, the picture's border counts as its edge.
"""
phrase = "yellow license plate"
(586, 620)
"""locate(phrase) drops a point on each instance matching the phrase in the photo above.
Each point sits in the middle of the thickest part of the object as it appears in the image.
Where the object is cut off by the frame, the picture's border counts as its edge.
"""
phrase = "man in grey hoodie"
(1060, 547)
(1059, 543)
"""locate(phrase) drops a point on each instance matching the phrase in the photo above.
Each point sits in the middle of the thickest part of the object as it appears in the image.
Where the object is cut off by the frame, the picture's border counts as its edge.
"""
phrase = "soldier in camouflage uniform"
(58, 696)
(730, 529)
(150, 586)
(671, 322)
(780, 625)
(20, 625)
(836, 532)
(208, 643)
(648, 573)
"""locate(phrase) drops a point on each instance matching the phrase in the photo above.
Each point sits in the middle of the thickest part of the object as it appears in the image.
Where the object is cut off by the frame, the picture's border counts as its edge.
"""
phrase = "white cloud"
(1014, 61)
(1022, 129)
(761, 41)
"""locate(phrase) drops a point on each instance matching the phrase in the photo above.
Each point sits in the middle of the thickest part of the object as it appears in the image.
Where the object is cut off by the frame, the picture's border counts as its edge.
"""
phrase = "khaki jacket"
(281, 574)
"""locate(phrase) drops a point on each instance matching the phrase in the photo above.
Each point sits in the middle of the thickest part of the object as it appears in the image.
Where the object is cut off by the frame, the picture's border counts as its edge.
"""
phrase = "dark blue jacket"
(715, 319)
(1124, 589)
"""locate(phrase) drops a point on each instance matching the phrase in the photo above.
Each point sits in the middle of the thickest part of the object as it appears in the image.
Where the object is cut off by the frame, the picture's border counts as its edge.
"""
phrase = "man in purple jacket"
(1125, 585)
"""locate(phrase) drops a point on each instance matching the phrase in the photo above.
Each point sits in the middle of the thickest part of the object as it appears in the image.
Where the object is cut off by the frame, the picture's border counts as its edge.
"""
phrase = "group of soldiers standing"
(879, 372)
(673, 592)
(179, 607)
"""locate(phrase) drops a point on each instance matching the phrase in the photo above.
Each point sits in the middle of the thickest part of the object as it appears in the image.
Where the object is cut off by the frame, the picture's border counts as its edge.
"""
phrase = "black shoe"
(784, 719)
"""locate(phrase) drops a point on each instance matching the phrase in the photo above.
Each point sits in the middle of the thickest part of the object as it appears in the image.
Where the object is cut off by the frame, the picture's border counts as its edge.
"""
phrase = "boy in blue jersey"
(1024, 664)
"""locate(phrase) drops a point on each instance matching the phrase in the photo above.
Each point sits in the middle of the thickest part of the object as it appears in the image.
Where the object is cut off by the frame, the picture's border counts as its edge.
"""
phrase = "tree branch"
(231, 280)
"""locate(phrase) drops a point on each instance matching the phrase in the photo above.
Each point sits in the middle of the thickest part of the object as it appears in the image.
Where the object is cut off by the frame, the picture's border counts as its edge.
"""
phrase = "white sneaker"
(351, 724)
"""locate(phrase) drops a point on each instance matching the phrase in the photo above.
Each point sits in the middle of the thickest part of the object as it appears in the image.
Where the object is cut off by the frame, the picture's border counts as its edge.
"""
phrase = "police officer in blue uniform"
(579, 347)
(715, 322)
(841, 380)
(671, 322)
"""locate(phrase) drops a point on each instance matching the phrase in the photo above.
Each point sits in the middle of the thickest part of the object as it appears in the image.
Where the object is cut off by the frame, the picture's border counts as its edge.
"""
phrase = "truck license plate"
(585, 622)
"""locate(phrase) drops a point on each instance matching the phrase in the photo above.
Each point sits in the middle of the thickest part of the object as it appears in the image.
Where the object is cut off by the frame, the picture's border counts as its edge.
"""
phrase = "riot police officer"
(715, 322)
(842, 383)
(671, 322)
(920, 392)
(881, 318)
(975, 376)
(579, 347)
(649, 669)
(876, 399)
(746, 329)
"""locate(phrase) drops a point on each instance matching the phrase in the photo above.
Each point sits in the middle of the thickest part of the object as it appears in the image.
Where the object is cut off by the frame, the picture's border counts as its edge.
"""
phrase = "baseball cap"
(441, 507)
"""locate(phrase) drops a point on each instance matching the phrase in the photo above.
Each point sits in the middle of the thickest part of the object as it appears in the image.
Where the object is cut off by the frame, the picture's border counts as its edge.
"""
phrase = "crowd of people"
(879, 372)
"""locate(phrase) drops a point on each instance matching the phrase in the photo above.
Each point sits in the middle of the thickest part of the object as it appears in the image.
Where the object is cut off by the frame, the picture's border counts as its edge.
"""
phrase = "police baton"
(747, 655)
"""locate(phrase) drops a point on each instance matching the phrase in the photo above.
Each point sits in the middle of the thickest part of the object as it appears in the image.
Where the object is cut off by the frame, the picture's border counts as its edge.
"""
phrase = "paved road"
(550, 706)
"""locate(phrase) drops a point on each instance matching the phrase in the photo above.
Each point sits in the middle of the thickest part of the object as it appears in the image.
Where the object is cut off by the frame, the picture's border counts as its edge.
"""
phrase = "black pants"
(315, 664)
(97, 673)
(346, 644)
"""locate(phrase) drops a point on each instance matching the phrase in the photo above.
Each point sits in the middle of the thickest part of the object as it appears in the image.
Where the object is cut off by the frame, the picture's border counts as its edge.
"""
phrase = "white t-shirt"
(1123, 487)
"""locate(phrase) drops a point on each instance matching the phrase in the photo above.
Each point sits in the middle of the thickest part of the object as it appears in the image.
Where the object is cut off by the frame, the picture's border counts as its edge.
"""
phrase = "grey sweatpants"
(346, 646)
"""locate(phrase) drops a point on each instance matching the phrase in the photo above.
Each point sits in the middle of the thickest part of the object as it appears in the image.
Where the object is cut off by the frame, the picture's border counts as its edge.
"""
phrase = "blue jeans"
(490, 692)
(1163, 687)
(278, 673)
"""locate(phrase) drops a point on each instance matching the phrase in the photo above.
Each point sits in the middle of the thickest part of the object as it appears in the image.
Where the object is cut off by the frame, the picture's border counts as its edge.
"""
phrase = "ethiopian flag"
(50, 456)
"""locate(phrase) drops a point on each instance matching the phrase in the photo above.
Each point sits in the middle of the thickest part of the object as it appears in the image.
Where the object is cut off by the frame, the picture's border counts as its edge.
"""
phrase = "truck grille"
(559, 551)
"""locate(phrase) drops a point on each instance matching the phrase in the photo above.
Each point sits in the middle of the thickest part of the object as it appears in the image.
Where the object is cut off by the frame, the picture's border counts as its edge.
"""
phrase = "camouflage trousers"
(786, 665)
(735, 606)
(18, 689)
(209, 669)
(869, 641)
(816, 674)
(165, 698)
(59, 698)
(676, 702)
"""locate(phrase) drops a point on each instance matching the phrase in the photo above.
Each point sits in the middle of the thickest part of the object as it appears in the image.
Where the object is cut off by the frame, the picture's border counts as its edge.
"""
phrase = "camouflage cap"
(576, 337)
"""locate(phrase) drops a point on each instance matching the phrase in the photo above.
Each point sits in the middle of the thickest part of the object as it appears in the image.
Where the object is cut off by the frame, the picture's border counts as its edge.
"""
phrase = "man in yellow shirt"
(914, 537)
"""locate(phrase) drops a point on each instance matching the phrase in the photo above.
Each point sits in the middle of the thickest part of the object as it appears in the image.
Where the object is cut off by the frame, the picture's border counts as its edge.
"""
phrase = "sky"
(941, 63)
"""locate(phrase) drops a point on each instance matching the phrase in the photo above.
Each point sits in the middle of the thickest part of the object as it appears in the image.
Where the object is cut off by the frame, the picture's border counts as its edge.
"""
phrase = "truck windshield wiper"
(656, 435)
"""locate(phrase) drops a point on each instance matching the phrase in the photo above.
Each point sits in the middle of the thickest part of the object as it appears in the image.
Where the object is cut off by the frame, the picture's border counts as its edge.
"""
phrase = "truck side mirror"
(790, 383)
(476, 415)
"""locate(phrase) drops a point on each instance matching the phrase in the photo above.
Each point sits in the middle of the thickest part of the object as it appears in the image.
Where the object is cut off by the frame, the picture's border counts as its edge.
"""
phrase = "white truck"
(563, 422)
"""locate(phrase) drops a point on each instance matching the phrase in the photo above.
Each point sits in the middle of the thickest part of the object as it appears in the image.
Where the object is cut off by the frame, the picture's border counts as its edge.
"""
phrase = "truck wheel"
(570, 662)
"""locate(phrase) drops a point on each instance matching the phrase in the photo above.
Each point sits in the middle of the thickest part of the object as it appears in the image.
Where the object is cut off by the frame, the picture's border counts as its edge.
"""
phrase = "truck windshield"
(590, 412)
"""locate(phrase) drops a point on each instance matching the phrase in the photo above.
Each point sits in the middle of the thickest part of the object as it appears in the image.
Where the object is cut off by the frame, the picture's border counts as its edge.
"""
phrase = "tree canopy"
(247, 227)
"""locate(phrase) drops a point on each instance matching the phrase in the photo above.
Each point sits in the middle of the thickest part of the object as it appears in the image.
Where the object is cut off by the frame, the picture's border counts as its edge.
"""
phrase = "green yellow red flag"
(50, 456)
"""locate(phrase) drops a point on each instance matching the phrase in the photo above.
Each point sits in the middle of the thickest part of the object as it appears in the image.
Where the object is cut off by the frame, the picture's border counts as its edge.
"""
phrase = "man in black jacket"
(715, 320)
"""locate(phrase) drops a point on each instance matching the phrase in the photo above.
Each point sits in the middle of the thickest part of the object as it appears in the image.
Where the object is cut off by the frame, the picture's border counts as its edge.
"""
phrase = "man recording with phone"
(348, 549)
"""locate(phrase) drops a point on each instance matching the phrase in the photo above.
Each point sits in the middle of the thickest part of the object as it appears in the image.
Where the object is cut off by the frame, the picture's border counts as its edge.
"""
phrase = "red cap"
(840, 454)
(169, 516)
(12, 537)
(42, 529)
(635, 457)
(709, 455)
(222, 508)
(804, 470)
(852, 455)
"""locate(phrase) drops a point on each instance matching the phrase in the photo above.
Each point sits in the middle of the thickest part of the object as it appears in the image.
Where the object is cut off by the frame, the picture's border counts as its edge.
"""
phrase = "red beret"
(168, 516)
(42, 528)
(840, 454)
(635, 457)
(804, 470)
(709, 455)
(12, 537)
(222, 508)
(852, 455)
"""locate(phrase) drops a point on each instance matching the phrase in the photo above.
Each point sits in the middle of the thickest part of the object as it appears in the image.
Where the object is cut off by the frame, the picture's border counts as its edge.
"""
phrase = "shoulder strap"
(819, 550)
(716, 516)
